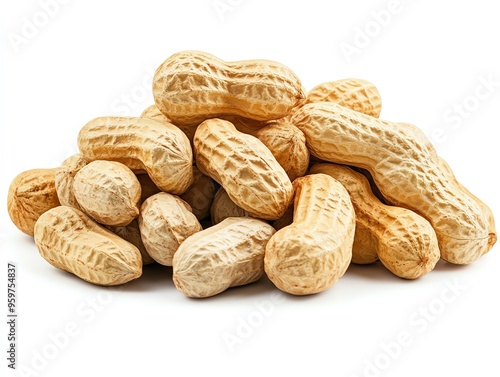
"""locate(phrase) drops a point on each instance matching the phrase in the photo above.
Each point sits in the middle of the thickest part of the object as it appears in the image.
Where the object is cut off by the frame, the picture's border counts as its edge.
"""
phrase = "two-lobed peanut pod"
(313, 253)
(160, 149)
(69, 240)
(404, 242)
(406, 172)
(192, 86)
(245, 167)
(225, 255)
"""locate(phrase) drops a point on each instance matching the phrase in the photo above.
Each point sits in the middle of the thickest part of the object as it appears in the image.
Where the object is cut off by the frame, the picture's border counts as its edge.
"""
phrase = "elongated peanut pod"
(245, 167)
(404, 241)
(31, 193)
(192, 86)
(405, 171)
(313, 253)
(69, 240)
(225, 255)
(162, 150)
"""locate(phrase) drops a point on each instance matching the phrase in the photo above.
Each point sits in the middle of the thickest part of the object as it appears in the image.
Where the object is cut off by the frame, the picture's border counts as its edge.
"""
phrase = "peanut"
(165, 222)
(313, 253)
(223, 207)
(192, 86)
(404, 241)
(132, 234)
(288, 145)
(31, 193)
(154, 113)
(65, 176)
(355, 94)
(245, 167)
(108, 192)
(200, 194)
(69, 240)
(225, 255)
(162, 150)
(406, 172)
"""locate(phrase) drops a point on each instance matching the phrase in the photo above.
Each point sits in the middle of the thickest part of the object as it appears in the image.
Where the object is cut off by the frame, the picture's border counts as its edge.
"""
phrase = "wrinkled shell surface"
(65, 174)
(355, 94)
(132, 234)
(407, 174)
(223, 207)
(225, 255)
(162, 150)
(200, 194)
(108, 192)
(69, 240)
(31, 193)
(192, 86)
(288, 145)
(154, 113)
(313, 253)
(165, 222)
(245, 167)
(404, 241)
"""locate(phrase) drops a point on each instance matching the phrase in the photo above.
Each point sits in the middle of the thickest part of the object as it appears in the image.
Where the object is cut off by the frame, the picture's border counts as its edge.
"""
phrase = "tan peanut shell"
(355, 94)
(154, 113)
(225, 255)
(108, 192)
(165, 222)
(65, 175)
(446, 169)
(162, 150)
(288, 145)
(406, 172)
(223, 207)
(200, 194)
(69, 240)
(245, 167)
(132, 234)
(404, 242)
(31, 193)
(492, 235)
(192, 86)
(313, 253)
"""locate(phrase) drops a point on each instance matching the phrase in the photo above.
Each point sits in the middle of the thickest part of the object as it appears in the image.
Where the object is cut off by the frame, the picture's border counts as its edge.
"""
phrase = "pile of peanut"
(236, 172)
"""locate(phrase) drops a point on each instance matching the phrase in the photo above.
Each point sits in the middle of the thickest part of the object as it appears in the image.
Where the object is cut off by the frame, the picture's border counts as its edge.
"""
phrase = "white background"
(87, 57)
